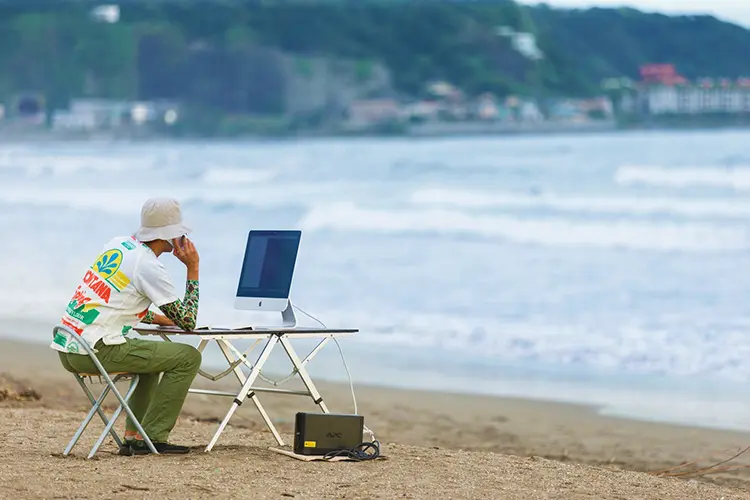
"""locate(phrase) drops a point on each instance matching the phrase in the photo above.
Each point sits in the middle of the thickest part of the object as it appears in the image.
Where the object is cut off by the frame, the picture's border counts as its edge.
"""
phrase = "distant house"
(663, 91)
(442, 90)
(486, 107)
(92, 114)
(566, 110)
(524, 43)
(369, 112)
(581, 110)
(27, 107)
(106, 13)
(142, 112)
(703, 96)
(520, 109)
(107, 114)
(65, 120)
(661, 74)
(628, 104)
(599, 107)
(423, 111)
(528, 111)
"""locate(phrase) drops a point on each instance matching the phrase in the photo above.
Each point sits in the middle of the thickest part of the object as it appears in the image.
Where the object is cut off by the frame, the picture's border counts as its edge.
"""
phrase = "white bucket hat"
(161, 219)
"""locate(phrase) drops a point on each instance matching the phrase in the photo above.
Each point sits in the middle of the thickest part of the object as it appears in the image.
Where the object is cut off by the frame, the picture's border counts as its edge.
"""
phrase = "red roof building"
(661, 74)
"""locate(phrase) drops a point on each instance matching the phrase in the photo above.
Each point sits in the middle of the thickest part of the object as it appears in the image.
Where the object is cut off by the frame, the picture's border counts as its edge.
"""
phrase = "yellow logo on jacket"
(107, 265)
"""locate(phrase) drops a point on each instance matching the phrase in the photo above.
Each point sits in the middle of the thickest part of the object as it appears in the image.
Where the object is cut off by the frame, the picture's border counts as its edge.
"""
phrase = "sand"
(436, 446)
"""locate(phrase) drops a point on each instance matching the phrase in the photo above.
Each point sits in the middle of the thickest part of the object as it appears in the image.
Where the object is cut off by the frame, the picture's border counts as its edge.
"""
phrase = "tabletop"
(247, 332)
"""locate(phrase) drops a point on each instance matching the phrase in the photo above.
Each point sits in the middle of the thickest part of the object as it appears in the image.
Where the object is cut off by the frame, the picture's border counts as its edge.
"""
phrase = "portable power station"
(322, 433)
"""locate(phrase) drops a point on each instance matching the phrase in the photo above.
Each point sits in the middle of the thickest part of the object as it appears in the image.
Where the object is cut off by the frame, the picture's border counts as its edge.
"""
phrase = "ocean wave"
(539, 231)
(608, 205)
(234, 176)
(677, 347)
(486, 344)
(127, 199)
(59, 165)
(30, 164)
(736, 177)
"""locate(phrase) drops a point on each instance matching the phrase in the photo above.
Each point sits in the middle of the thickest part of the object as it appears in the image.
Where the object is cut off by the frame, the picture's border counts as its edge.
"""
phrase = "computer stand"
(288, 318)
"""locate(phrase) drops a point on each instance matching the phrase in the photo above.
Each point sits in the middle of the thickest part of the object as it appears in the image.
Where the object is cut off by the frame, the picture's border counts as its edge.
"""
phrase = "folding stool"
(110, 379)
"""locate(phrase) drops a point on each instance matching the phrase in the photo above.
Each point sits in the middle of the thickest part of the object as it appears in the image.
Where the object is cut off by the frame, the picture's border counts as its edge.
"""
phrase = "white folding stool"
(110, 379)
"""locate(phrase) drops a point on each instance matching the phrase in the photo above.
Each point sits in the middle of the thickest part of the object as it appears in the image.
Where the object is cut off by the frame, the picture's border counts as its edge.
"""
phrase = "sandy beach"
(435, 445)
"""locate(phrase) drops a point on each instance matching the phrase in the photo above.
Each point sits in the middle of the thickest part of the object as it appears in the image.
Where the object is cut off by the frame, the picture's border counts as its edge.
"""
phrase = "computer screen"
(269, 262)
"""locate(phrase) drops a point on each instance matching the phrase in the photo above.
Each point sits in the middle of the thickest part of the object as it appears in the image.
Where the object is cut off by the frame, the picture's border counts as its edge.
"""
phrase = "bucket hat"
(161, 219)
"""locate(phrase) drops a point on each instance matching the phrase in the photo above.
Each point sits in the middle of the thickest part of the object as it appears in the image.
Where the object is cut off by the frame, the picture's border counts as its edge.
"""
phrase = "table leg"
(245, 390)
(253, 396)
(300, 367)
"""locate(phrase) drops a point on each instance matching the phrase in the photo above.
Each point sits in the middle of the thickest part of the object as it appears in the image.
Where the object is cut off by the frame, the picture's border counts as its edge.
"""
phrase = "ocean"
(610, 269)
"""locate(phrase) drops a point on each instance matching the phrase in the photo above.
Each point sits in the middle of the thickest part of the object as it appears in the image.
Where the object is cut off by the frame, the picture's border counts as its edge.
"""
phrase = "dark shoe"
(141, 448)
(125, 449)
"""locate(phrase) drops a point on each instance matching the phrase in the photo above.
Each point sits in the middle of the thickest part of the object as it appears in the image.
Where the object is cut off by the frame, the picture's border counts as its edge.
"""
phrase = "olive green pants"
(156, 404)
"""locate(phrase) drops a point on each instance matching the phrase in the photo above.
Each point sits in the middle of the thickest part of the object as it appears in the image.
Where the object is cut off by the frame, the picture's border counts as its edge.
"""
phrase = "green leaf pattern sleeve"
(148, 318)
(184, 313)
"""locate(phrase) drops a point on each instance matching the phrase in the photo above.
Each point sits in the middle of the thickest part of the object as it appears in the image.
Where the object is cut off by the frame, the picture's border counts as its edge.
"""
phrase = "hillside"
(236, 56)
(602, 43)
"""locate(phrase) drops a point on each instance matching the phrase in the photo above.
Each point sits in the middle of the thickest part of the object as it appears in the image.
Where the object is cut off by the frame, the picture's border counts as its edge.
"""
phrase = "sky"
(737, 11)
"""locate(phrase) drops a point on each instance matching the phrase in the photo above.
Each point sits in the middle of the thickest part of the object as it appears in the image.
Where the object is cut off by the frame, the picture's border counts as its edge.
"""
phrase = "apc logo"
(335, 435)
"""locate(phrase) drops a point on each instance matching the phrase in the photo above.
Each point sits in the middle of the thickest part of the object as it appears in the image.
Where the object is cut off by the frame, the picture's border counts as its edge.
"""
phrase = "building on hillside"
(661, 74)
(597, 108)
(523, 43)
(91, 114)
(371, 112)
(443, 90)
(106, 13)
(528, 111)
(422, 111)
(486, 107)
(703, 96)
(628, 104)
(663, 91)
(565, 110)
(27, 107)
(109, 114)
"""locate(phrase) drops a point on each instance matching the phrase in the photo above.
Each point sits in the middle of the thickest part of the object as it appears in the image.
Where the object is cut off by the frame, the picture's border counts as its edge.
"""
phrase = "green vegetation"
(603, 43)
(221, 58)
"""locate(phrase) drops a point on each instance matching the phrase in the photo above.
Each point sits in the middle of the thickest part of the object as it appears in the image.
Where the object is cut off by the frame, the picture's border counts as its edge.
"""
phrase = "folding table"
(235, 359)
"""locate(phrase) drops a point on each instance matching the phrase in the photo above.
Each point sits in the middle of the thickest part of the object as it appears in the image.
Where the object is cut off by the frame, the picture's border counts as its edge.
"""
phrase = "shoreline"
(635, 402)
(438, 130)
(564, 432)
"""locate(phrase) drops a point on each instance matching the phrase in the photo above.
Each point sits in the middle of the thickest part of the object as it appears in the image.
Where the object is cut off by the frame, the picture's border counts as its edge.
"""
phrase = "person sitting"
(114, 295)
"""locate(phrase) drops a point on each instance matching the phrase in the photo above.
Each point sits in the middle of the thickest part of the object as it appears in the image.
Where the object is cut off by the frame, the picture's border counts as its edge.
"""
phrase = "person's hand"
(185, 251)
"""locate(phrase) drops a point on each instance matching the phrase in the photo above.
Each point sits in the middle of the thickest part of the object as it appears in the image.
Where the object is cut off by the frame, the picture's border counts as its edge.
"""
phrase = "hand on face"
(185, 251)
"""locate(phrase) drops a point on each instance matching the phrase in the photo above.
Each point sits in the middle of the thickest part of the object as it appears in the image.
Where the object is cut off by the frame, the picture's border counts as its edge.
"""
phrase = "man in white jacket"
(114, 295)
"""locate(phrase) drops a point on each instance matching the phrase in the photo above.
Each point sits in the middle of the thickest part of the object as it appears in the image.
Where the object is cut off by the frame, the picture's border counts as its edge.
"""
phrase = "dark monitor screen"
(269, 262)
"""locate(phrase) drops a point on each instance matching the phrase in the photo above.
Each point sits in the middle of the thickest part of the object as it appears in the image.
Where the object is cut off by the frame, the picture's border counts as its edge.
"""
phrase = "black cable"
(358, 453)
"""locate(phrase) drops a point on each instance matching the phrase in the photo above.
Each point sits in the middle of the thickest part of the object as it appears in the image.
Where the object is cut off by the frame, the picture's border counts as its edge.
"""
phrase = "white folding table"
(235, 359)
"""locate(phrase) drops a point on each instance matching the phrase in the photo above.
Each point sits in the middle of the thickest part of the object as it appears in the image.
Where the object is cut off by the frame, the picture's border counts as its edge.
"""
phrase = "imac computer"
(267, 270)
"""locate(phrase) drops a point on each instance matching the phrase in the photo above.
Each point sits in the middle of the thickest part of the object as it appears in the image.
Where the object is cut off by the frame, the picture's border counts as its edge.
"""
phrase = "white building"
(705, 97)
(104, 114)
(524, 43)
(530, 112)
(369, 112)
(65, 120)
(106, 13)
